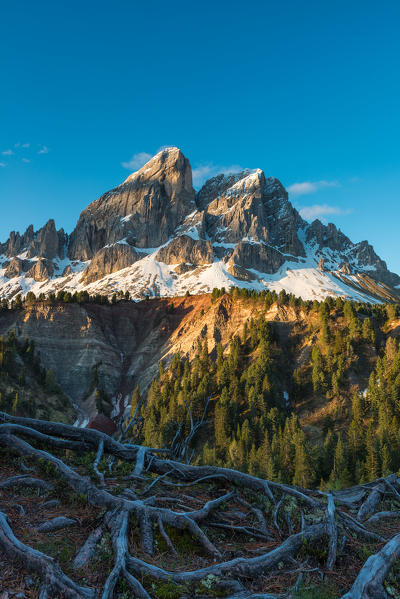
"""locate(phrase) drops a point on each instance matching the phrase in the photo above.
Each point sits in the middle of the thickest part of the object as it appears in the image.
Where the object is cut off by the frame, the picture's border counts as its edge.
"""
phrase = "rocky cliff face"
(153, 235)
(108, 260)
(114, 348)
(47, 242)
(145, 210)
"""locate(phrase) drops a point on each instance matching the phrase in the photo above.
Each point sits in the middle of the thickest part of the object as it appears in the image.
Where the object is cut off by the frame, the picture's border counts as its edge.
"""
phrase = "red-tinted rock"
(103, 424)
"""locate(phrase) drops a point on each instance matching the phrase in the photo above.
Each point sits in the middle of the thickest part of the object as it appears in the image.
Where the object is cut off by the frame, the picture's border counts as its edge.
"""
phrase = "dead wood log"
(369, 582)
(367, 508)
(332, 532)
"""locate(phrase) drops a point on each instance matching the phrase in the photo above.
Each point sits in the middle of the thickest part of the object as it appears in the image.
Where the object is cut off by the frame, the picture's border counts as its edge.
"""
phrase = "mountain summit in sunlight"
(153, 235)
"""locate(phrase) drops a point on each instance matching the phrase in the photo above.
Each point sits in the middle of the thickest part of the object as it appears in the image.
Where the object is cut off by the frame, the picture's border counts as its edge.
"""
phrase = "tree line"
(254, 393)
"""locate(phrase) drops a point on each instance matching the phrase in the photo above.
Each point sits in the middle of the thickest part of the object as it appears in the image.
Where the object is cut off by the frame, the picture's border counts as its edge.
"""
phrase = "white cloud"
(26, 160)
(7, 152)
(137, 161)
(25, 145)
(2, 164)
(307, 187)
(43, 150)
(203, 172)
(200, 173)
(320, 211)
(164, 147)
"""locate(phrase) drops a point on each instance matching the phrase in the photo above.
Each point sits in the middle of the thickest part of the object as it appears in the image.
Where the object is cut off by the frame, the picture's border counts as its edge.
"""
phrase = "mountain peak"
(167, 158)
(153, 235)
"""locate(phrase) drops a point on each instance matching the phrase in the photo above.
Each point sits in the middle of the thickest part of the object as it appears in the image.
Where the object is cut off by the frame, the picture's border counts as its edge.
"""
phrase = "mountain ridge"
(154, 235)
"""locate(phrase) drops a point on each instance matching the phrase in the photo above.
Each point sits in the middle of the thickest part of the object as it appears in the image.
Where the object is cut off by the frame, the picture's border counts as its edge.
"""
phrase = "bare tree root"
(119, 530)
(244, 567)
(369, 505)
(332, 532)
(317, 515)
(369, 582)
(86, 552)
(46, 567)
(24, 480)
(56, 524)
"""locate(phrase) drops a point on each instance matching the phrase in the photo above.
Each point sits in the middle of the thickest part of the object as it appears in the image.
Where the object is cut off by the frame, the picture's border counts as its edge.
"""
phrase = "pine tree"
(303, 471)
(372, 457)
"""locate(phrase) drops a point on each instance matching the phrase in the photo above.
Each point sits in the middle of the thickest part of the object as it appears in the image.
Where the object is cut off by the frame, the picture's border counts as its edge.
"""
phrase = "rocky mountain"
(153, 235)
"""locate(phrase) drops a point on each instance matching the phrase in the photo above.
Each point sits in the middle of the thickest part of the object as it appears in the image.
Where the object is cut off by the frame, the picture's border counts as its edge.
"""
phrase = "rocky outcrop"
(108, 260)
(250, 206)
(237, 211)
(361, 255)
(257, 256)
(16, 243)
(282, 219)
(17, 267)
(48, 242)
(365, 255)
(184, 249)
(327, 236)
(344, 268)
(145, 210)
(45, 243)
(42, 270)
(240, 273)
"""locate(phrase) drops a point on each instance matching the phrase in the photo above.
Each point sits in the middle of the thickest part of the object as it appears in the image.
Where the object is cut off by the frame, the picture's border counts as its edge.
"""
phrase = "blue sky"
(308, 91)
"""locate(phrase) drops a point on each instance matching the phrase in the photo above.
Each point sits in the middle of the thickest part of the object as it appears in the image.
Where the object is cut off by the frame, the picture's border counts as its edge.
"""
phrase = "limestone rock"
(327, 236)
(17, 243)
(108, 260)
(183, 268)
(344, 268)
(42, 270)
(187, 250)
(250, 206)
(145, 210)
(67, 271)
(46, 243)
(257, 256)
(241, 273)
(16, 267)
(243, 220)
